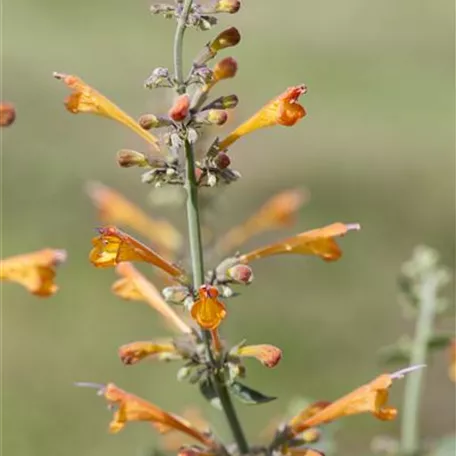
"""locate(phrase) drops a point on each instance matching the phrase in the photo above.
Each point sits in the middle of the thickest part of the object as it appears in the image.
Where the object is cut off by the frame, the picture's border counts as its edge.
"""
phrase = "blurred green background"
(376, 148)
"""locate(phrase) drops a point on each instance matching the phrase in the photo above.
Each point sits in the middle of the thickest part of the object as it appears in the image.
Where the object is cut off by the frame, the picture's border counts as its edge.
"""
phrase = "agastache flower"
(7, 114)
(207, 310)
(319, 242)
(135, 352)
(86, 99)
(134, 286)
(113, 246)
(129, 407)
(371, 398)
(278, 212)
(35, 271)
(268, 355)
(115, 209)
(282, 110)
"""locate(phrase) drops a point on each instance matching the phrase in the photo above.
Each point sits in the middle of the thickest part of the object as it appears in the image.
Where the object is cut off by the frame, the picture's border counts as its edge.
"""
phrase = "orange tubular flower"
(129, 407)
(371, 397)
(137, 351)
(35, 271)
(134, 286)
(268, 355)
(278, 212)
(318, 242)
(301, 452)
(208, 311)
(115, 209)
(86, 99)
(282, 110)
(452, 368)
(114, 246)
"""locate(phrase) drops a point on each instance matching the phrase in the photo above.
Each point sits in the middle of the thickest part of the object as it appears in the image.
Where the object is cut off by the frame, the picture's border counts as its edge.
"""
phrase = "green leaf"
(397, 353)
(439, 341)
(248, 395)
(207, 389)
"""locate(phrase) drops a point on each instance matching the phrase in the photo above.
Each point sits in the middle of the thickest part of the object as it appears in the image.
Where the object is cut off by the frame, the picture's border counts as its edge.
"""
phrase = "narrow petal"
(113, 246)
(86, 99)
(319, 242)
(141, 289)
(115, 209)
(35, 271)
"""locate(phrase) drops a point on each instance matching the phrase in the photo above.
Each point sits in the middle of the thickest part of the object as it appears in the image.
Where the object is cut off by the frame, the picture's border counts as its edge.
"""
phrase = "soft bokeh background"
(377, 147)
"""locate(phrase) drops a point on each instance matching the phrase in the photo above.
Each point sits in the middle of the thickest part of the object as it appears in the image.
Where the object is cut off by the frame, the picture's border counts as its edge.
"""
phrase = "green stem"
(178, 46)
(423, 331)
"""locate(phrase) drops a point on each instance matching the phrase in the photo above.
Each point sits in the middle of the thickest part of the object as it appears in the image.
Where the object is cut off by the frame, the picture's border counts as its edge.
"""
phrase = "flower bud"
(149, 121)
(128, 158)
(7, 114)
(225, 69)
(159, 78)
(203, 74)
(228, 38)
(184, 373)
(226, 102)
(222, 160)
(179, 110)
(167, 11)
(227, 6)
(176, 295)
(211, 117)
(241, 273)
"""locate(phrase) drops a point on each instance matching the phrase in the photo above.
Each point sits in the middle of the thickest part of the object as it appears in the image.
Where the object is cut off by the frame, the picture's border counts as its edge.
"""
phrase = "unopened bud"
(128, 158)
(204, 22)
(203, 74)
(225, 69)
(228, 38)
(227, 6)
(179, 110)
(226, 102)
(168, 11)
(149, 121)
(222, 160)
(226, 292)
(241, 273)
(211, 180)
(7, 114)
(184, 373)
(211, 117)
(176, 295)
(159, 78)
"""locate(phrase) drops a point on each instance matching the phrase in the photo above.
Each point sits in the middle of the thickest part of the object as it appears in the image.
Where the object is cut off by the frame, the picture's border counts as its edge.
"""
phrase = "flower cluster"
(195, 300)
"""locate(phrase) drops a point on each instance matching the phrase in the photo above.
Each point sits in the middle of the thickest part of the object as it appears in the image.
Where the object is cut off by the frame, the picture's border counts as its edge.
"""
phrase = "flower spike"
(319, 242)
(134, 286)
(113, 246)
(282, 110)
(371, 397)
(35, 271)
(115, 209)
(208, 311)
(86, 99)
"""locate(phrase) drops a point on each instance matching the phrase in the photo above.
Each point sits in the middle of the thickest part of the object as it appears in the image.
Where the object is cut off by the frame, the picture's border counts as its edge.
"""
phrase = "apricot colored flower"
(129, 407)
(134, 286)
(278, 212)
(114, 246)
(135, 352)
(115, 209)
(86, 99)
(319, 242)
(208, 311)
(301, 452)
(268, 355)
(282, 110)
(371, 397)
(35, 271)
(7, 114)
(452, 368)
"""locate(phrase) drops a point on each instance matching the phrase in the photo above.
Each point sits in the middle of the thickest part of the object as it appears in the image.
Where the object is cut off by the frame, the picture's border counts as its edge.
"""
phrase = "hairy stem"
(196, 250)
(409, 426)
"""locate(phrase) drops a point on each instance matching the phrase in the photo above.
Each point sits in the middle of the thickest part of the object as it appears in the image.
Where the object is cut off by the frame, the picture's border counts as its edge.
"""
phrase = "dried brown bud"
(227, 6)
(179, 110)
(128, 158)
(222, 160)
(7, 114)
(241, 273)
(211, 117)
(225, 69)
(227, 38)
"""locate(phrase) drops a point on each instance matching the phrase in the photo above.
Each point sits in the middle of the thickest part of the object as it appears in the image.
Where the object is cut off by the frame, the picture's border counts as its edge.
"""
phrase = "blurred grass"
(377, 147)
